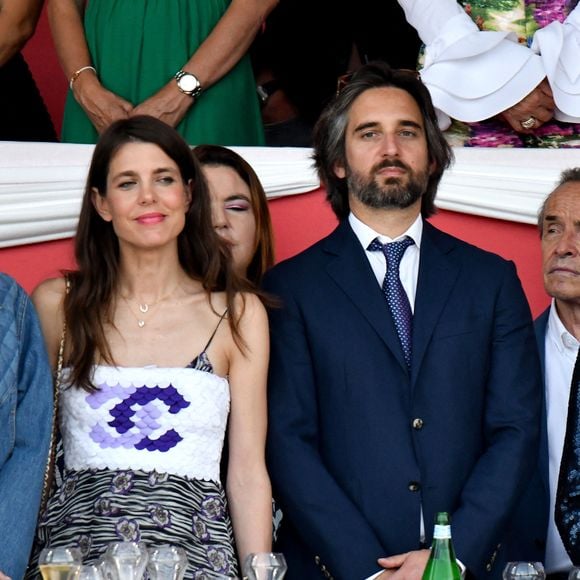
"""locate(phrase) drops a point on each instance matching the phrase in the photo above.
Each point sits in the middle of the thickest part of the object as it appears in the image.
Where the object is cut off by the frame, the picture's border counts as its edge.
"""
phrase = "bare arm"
(229, 40)
(18, 19)
(101, 105)
(48, 300)
(227, 43)
(248, 484)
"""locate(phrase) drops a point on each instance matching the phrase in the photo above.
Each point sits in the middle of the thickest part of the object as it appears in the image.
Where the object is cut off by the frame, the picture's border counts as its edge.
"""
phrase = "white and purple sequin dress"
(142, 460)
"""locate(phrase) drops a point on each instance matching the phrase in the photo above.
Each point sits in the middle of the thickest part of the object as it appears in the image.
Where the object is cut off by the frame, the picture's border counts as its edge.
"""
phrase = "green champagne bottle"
(442, 564)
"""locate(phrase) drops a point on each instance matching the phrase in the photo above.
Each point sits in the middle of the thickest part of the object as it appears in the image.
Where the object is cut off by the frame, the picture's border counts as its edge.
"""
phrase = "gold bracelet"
(77, 73)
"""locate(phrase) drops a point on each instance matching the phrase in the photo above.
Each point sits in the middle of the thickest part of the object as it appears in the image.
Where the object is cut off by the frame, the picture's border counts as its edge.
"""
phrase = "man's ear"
(432, 167)
(101, 204)
(339, 170)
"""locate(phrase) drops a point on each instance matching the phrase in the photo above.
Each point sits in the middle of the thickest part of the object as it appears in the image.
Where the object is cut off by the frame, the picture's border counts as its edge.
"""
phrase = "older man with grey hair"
(549, 514)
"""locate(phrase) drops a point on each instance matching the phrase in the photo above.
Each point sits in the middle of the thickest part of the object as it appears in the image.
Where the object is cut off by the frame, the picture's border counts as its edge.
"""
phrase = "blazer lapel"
(348, 266)
(437, 276)
(541, 327)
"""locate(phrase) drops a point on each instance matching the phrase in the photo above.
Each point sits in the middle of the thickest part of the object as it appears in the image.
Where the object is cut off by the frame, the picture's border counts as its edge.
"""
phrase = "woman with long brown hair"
(162, 339)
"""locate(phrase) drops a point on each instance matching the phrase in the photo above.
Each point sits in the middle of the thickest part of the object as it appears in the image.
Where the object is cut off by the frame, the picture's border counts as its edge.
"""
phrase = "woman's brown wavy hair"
(90, 302)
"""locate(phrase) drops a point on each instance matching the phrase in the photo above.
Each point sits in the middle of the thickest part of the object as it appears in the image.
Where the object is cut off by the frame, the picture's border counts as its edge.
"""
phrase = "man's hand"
(408, 566)
(538, 105)
(4, 577)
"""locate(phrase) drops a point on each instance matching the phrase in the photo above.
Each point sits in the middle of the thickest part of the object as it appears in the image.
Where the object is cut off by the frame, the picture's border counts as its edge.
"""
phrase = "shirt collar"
(366, 234)
(558, 334)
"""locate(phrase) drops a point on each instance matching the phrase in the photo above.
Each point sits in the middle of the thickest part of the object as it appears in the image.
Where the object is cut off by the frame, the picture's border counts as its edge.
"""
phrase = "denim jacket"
(25, 424)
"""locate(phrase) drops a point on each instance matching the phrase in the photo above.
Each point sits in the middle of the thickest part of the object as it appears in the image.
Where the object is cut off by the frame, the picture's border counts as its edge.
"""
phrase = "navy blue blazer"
(527, 540)
(357, 444)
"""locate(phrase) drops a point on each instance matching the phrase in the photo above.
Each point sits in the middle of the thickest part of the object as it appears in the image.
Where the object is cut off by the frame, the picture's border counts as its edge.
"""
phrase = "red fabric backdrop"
(300, 221)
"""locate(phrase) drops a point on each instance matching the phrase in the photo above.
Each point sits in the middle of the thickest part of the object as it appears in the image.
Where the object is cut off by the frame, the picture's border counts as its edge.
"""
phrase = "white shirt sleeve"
(559, 47)
(471, 74)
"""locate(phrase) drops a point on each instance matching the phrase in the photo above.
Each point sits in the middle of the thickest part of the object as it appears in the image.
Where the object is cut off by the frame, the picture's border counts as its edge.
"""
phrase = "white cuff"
(471, 74)
(559, 47)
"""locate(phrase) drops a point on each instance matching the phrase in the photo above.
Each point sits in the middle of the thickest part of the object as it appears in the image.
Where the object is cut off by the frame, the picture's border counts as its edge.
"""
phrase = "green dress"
(137, 46)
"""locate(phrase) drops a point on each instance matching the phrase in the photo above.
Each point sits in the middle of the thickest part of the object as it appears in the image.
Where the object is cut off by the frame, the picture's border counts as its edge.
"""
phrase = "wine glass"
(106, 567)
(265, 566)
(524, 571)
(128, 559)
(59, 563)
(211, 575)
(89, 572)
(166, 562)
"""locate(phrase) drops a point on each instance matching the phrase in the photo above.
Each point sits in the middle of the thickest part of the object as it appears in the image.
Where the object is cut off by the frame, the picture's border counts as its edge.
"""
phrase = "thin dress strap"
(215, 330)
(201, 362)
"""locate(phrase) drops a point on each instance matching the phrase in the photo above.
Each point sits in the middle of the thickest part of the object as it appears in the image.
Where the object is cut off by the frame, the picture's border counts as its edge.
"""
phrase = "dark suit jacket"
(527, 540)
(357, 444)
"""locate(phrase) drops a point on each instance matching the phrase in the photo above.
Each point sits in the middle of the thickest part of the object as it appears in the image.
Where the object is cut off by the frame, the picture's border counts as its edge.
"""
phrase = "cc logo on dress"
(135, 418)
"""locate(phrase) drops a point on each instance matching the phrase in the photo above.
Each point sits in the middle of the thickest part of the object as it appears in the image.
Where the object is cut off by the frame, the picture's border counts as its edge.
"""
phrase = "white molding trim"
(41, 184)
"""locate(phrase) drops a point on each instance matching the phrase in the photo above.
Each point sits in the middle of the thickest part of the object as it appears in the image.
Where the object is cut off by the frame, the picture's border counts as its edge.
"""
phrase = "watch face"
(188, 83)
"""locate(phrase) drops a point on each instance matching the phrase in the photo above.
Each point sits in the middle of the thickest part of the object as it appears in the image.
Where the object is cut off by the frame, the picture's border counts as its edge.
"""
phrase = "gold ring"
(529, 123)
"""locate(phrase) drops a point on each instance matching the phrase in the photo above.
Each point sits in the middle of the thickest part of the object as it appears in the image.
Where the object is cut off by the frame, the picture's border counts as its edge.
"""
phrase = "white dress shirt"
(409, 266)
(561, 352)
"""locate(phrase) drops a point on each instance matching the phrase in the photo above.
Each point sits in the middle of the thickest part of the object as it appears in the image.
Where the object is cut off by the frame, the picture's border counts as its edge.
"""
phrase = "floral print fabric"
(93, 508)
(524, 18)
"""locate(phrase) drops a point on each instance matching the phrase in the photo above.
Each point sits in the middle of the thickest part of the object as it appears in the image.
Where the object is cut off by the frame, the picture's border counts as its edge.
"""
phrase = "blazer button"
(417, 424)
(317, 560)
(414, 486)
(488, 567)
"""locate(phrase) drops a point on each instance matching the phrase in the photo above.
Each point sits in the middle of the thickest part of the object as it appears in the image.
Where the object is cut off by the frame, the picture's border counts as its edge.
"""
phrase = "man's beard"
(393, 192)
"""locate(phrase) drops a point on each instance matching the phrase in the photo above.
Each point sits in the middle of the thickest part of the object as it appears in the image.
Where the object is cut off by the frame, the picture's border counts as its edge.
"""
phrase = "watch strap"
(195, 92)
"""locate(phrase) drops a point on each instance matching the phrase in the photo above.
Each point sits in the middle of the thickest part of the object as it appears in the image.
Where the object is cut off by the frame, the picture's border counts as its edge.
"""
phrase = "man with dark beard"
(404, 376)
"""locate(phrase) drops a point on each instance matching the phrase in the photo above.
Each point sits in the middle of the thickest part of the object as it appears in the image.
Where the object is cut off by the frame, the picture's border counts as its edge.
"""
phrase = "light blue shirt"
(26, 393)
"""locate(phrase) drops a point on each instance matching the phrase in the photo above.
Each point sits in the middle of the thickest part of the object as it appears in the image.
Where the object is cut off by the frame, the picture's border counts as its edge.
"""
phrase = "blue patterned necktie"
(394, 292)
(567, 511)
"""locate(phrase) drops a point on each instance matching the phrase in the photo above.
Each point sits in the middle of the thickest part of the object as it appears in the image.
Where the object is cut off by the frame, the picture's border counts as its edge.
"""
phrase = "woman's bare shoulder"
(48, 299)
(49, 294)
(251, 311)
(249, 301)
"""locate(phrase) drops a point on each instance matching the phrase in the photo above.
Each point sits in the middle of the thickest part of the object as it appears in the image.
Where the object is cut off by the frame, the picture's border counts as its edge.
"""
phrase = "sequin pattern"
(135, 418)
(169, 420)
